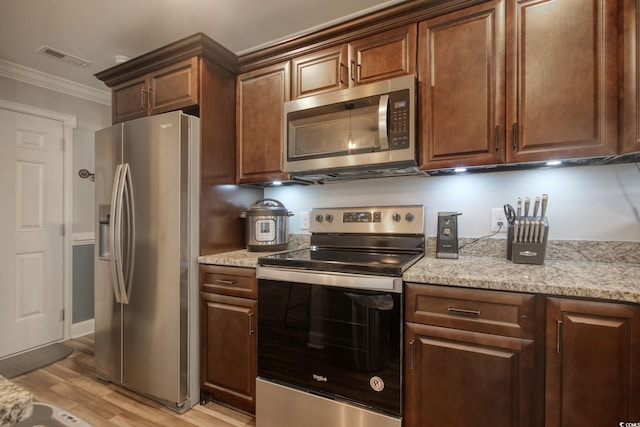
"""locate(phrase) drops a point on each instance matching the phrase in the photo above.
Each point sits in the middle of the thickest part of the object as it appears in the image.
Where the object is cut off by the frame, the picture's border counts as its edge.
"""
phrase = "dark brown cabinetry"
(380, 56)
(260, 97)
(561, 79)
(171, 88)
(592, 363)
(630, 90)
(462, 91)
(529, 81)
(469, 357)
(228, 335)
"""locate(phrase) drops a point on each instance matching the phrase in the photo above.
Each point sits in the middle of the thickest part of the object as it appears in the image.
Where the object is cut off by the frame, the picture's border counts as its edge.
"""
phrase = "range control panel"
(404, 219)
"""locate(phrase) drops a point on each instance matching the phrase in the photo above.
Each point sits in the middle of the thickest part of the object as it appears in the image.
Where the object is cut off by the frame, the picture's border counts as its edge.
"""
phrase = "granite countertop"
(601, 270)
(602, 280)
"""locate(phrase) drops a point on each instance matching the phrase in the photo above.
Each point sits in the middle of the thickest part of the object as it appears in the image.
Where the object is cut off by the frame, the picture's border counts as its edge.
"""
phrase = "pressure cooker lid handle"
(274, 203)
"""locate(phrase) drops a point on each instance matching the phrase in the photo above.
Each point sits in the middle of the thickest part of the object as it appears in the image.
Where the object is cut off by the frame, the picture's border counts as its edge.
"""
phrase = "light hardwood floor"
(72, 385)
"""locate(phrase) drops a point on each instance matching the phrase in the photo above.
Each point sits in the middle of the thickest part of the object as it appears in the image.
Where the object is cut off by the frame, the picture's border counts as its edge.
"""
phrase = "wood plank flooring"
(71, 384)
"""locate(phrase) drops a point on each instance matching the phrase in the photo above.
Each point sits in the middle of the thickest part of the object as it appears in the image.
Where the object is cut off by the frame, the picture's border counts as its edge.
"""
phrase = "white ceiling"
(98, 30)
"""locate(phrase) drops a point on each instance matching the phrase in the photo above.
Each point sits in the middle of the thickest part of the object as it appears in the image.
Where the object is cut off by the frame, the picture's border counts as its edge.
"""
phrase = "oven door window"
(336, 342)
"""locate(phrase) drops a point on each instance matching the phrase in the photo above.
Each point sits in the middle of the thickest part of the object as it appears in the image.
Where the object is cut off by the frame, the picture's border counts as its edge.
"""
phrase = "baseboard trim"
(82, 328)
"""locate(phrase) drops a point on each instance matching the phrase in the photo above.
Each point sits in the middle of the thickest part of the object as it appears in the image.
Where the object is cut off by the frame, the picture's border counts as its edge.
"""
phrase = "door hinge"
(62, 315)
(62, 230)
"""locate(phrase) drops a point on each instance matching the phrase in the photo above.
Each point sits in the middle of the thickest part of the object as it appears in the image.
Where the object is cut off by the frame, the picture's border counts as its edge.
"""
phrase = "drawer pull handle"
(225, 282)
(463, 312)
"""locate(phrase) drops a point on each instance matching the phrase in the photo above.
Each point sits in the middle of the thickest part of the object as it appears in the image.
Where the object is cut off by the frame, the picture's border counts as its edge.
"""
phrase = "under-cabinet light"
(554, 163)
(460, 170)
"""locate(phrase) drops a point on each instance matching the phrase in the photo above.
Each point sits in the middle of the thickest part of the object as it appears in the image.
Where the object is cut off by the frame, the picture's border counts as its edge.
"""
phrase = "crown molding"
(48, 81)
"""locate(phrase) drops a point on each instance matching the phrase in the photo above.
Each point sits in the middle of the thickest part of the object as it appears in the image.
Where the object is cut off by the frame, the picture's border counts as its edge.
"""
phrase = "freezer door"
(155, 319)
(108, 313)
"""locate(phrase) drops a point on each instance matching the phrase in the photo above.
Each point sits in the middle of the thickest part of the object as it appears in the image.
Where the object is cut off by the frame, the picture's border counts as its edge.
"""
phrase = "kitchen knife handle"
(515, 135)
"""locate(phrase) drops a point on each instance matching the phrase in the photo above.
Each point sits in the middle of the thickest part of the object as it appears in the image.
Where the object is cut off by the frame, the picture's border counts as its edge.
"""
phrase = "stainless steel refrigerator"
(146, 276)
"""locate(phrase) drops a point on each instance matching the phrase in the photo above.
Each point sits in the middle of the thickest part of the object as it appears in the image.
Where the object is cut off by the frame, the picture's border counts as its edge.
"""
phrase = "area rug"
(34, 359)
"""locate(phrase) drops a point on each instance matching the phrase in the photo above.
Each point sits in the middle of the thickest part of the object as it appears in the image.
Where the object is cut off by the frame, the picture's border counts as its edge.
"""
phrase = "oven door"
(337, 342)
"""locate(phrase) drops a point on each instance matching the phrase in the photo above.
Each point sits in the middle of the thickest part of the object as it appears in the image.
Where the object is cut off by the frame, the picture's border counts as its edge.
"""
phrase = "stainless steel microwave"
(364, 130)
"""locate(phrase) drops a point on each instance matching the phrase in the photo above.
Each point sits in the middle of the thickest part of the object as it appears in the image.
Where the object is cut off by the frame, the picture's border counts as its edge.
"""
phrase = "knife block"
(527, 252)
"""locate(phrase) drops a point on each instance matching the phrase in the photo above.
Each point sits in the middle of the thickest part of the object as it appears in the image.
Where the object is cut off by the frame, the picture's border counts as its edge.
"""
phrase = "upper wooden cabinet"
(170, 88)
(530, 81)
(592, 363)
(562, 99)
(260, 97)
(380, 56)
(630, 91)
(462, 93)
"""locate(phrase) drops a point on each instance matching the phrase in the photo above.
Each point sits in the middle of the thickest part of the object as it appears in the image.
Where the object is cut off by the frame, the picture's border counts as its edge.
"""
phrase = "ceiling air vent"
(58, 54)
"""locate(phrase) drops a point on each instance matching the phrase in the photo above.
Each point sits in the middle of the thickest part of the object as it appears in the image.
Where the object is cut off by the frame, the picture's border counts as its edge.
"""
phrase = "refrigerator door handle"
(114, 232)
(130, 236)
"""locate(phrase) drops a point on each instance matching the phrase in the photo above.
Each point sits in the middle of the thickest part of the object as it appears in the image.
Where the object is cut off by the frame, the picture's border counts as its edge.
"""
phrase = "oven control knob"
(409, 217)
(319, 218)
(328, 217)
(396, 217)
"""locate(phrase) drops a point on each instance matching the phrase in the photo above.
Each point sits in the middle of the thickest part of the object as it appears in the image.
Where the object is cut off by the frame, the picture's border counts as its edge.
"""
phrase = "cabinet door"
(228, 345)
(592, 363)
(174, 87)
(459, 378)
(562, 79)
(461, 73)
(260, 97)
(130, 100)
(383, 56)
(630, 99)
(320, 72)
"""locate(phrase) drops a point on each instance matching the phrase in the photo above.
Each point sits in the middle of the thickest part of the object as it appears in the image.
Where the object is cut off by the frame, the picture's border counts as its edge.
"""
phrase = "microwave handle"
(383, 109)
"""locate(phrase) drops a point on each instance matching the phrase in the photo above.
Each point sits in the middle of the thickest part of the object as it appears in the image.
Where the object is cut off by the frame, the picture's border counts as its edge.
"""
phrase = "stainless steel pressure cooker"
(267, 227)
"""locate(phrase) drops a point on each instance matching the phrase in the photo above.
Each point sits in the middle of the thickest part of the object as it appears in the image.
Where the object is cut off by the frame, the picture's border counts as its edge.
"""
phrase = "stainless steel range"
(330, 320)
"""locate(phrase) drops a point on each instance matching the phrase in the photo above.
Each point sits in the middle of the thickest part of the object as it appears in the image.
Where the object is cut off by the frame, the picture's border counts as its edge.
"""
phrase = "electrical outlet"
(304, 220)
(497, 215)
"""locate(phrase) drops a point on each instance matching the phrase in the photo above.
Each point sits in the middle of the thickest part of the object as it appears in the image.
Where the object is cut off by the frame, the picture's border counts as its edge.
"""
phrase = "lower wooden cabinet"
(492, 358)
(457, 376)
(228, 338)
(592, 363)
(461, 378)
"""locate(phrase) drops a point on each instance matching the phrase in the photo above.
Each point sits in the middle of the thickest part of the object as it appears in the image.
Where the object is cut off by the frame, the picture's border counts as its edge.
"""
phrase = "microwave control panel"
(399, 104)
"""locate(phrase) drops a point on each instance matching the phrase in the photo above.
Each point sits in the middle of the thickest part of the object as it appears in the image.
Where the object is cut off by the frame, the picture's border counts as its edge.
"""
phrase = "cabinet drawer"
(233, 281)
(493, 312)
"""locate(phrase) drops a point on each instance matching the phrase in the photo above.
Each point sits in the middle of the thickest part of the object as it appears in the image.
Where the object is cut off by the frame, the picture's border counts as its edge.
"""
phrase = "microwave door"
(336, 130)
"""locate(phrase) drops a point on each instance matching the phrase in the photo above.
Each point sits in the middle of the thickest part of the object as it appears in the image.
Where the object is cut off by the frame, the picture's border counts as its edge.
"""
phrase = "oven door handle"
(324, 278)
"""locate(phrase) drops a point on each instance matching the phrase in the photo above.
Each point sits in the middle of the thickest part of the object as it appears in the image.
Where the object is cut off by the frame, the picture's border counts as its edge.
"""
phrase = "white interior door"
(31, 241)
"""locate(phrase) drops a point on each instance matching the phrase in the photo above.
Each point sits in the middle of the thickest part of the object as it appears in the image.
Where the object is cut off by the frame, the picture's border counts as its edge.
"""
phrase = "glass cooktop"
(344, 261)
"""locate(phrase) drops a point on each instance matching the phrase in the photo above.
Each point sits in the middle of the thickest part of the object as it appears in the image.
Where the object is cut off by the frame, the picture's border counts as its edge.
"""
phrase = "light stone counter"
(602, 280)
(601, 270)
